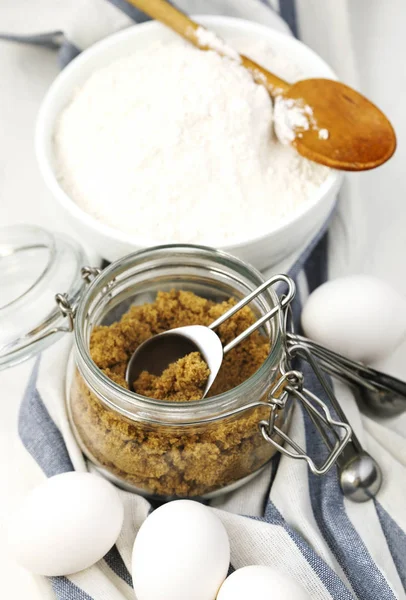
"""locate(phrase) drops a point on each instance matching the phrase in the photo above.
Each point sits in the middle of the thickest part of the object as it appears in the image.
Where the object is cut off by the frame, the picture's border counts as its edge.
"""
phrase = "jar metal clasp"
(292, 382)
(360, 475)
(67, 307)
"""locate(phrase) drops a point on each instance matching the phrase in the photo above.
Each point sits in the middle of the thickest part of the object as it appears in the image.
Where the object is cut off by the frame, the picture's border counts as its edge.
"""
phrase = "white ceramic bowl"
(112, 244)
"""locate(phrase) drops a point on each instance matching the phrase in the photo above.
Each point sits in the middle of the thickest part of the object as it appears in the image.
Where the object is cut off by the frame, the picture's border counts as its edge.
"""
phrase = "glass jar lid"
(35, 265)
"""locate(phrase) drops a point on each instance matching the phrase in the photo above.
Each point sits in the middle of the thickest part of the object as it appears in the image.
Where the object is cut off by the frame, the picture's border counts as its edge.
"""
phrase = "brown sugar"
(182, 380)
(174, 460)
(112, 346)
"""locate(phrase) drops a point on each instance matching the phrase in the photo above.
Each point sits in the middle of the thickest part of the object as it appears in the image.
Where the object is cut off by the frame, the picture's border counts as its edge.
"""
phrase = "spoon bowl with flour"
(331, 123)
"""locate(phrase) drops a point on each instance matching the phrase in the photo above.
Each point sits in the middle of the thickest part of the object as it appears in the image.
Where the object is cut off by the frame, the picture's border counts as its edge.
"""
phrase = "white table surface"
(376, 63)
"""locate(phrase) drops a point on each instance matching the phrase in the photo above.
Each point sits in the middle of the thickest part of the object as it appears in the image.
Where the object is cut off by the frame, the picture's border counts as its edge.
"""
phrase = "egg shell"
(361, 317)
(181, 552)
(66, 524)
(260, 583)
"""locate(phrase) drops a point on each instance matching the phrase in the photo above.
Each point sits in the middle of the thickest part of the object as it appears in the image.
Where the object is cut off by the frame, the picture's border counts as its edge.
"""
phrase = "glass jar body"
(169, 461)
(170, 450)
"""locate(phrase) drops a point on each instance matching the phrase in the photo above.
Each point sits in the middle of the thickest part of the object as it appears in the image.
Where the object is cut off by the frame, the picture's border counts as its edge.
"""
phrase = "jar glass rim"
(128, 401)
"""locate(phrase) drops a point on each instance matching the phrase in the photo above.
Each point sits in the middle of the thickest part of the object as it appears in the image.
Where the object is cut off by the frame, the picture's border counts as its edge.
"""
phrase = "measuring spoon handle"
(280, 306)
(383, 393)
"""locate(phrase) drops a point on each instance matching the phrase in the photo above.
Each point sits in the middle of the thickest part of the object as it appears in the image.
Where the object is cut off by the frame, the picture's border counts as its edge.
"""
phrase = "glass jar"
(160, 448)
(157, 448)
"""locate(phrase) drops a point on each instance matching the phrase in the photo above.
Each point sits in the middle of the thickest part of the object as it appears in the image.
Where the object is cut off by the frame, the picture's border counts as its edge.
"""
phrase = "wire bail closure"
(336, 434)
(292, 382)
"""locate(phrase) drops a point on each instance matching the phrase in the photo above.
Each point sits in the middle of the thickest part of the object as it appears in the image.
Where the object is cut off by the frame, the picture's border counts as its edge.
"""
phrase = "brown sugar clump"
(172, 460)
(182, 380)
(112, 346)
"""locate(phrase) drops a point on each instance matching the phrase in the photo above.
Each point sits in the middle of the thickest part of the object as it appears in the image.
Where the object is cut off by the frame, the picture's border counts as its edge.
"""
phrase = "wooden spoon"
(360, 137)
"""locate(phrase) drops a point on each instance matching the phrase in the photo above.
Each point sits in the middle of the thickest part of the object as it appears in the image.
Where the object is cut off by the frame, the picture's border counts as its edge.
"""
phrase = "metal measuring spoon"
(384, 395)
(155, 354)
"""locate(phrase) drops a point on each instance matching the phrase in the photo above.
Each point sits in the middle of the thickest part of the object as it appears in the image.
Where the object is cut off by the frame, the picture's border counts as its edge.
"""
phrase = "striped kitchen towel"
(286, 517)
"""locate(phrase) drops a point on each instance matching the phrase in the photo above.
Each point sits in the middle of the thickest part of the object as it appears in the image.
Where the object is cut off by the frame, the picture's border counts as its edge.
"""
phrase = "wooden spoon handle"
(176, 20)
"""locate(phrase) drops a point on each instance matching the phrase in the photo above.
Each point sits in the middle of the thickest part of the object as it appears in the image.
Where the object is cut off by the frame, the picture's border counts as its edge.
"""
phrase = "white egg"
(260, 583)
(359, 316)
(66, 524)
(181, 552)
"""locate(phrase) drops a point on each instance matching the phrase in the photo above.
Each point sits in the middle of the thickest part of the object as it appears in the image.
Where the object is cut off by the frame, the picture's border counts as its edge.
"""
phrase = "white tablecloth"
(366, 47)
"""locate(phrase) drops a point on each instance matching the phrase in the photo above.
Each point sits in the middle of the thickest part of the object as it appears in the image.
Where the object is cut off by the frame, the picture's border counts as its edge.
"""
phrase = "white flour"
(288, 117)
(209, 39)
(177, 145)
(292, 117)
